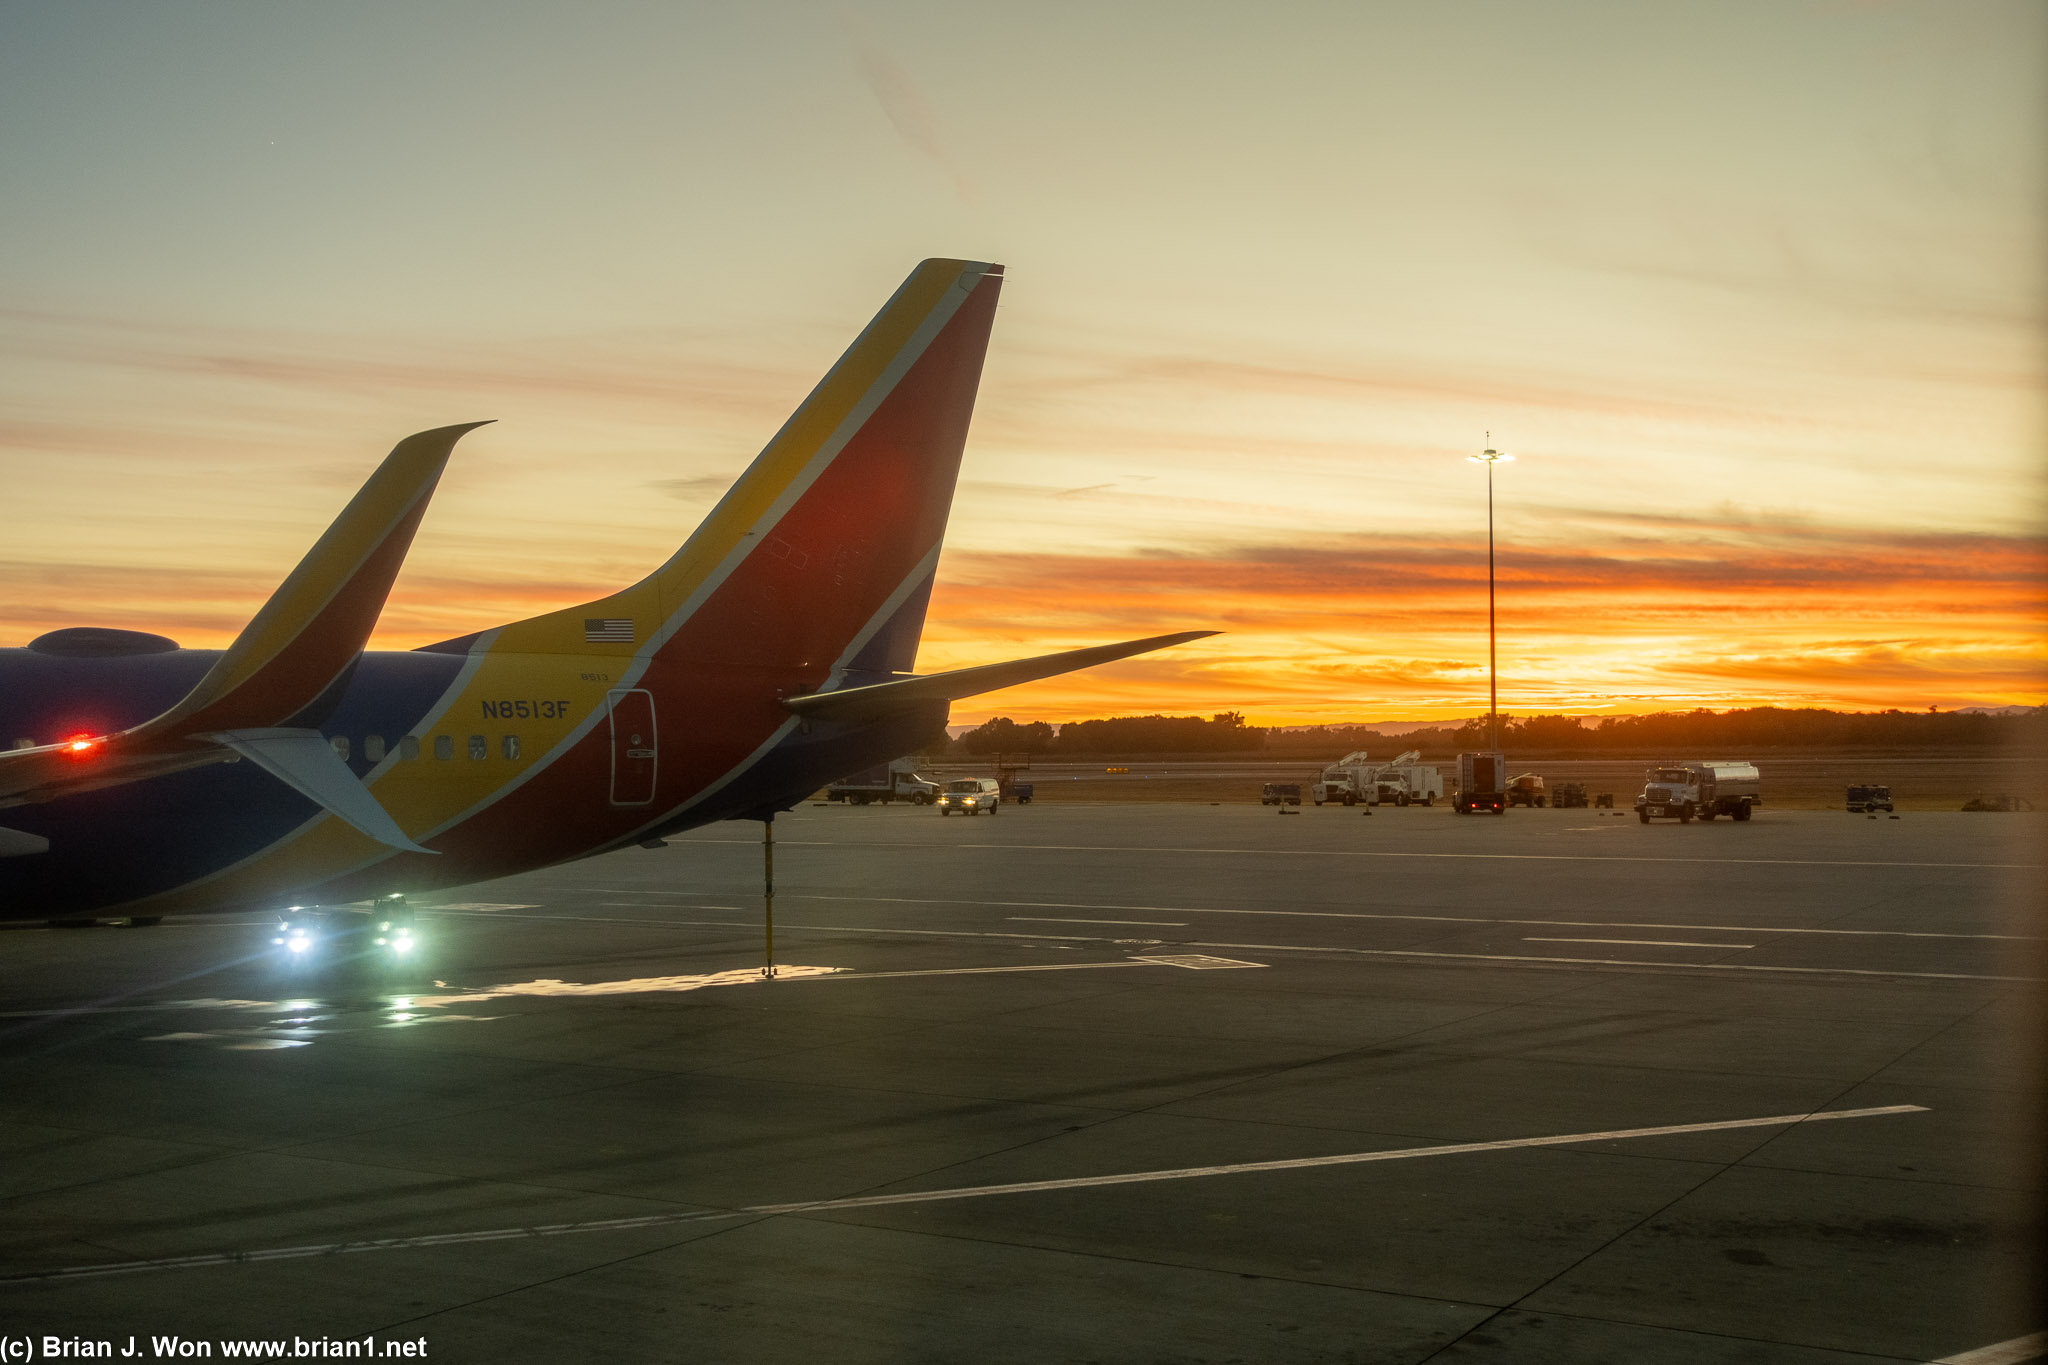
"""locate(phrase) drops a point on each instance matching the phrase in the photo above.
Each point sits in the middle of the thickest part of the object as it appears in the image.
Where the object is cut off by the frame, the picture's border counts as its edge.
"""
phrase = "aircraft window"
(409, 747)
(509, 746)
(373, 748)
(444, 747)
(340, 746)
(478, 748)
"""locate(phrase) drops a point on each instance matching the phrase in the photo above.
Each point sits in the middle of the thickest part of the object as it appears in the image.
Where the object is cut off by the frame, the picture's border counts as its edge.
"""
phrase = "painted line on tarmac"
(1146, 923)
(1312, 948)
(1362, 853)
(1613, 962)
(1366, 915)
(1640, 942)
(987, 971)
(2032, 1346)
(872, 1201)
(821, 928)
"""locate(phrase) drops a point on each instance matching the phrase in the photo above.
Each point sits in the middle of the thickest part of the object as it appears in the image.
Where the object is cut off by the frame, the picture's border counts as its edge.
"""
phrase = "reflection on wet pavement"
(301, 1021)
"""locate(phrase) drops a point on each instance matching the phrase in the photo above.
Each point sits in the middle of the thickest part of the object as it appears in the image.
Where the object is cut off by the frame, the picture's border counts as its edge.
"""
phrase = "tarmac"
(1083, 1082)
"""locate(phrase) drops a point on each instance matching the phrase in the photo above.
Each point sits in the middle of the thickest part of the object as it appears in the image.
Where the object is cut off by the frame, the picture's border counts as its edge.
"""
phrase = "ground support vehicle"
(1400, 781)
(1281, 794)
(1863, 799)
(1007, 768)
(971, 796)
(1605, 800)
(1682, 790)
(1570, 796)
(1408, 783)
(1527, 790)
(1337, 793)
(327, 936)
(1346, 782)
(1482, 784)
(896, 780)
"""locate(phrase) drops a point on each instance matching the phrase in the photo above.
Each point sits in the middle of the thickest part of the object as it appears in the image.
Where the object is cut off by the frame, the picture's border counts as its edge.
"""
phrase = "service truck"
(1405, 782)
(1680, 791)
(1347, 782)
(1398, 781)
(896, 780)
(1482, 784)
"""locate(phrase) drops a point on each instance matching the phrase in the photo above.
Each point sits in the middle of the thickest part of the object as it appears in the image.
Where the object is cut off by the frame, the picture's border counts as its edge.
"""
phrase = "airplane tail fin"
(820, 559)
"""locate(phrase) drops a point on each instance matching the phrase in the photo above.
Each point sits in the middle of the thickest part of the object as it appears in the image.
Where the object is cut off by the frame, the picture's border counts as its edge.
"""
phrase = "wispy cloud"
(702, 488)
(907, 110)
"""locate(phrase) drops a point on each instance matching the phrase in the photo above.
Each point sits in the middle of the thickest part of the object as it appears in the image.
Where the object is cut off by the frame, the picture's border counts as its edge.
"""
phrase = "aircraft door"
(633, 746)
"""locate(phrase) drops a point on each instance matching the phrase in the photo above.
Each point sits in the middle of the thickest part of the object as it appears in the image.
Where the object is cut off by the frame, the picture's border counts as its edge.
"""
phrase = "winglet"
(891, 698)
(306, 637)
(287, 662)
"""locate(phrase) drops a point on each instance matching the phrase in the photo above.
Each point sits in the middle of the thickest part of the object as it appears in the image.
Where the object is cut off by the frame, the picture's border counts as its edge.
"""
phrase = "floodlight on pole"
(1491, 457)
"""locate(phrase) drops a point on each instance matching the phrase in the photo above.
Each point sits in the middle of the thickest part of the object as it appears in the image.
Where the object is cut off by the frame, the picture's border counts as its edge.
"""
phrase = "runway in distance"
(771, 654)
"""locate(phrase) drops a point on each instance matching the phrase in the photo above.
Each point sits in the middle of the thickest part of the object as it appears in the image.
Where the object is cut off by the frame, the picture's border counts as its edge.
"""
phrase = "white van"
(970, 794)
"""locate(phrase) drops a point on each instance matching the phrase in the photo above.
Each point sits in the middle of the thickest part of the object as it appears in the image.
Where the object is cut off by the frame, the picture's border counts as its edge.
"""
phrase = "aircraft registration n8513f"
(771, 654)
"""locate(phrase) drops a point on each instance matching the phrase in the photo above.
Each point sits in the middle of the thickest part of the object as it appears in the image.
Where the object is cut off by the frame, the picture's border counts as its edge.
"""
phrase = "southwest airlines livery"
(771, 654)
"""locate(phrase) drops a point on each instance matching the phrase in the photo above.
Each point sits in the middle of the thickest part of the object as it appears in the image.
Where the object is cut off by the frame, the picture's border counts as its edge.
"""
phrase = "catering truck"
(1679, 791)
(1482, 784)
(896, 780)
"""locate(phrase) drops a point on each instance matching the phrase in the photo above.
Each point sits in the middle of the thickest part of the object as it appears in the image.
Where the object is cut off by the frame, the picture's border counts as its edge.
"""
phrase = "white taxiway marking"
(1368, 915)
(1641, 942)
(1319, 948)
(1046, 919)
(871, 1201)
(2030, 1347)
(1362, 853)
(990, 971)
(478, 905)
(625, 905)
(1609, 962)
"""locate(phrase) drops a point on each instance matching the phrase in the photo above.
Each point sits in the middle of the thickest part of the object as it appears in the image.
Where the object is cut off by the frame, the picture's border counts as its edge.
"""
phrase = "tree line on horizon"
(1672, 732)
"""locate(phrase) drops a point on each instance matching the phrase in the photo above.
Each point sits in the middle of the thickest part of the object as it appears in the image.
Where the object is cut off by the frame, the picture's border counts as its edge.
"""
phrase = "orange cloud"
(1393, 627)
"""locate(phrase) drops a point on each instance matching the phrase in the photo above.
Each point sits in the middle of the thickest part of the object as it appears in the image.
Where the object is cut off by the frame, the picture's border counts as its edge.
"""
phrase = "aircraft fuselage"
(556, 757)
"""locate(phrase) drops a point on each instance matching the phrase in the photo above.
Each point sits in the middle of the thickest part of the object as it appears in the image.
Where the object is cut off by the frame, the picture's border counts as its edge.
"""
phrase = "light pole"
(1491, 457)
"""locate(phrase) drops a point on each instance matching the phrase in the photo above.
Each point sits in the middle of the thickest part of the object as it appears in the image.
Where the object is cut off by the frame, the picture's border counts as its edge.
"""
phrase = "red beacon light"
(78, 746)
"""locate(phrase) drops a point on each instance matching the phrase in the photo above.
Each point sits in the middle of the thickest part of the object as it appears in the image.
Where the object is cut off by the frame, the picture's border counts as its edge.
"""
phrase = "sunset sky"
(1754, 292)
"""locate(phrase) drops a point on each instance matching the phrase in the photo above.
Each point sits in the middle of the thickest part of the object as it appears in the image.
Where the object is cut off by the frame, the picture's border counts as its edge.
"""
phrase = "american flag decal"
(608, 630)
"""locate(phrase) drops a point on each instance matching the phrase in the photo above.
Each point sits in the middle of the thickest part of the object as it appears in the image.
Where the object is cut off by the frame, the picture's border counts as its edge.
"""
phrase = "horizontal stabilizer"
(304, 761)
(892, 698)
(15, 843)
